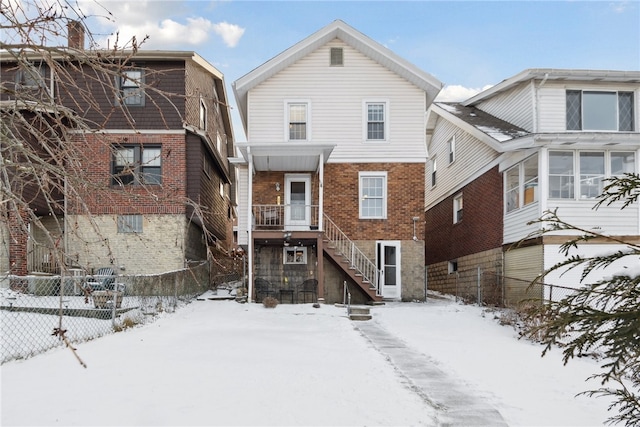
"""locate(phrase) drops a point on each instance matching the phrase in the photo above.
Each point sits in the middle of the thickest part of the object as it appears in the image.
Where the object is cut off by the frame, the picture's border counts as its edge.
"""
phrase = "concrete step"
(360, 313)
(359, 317)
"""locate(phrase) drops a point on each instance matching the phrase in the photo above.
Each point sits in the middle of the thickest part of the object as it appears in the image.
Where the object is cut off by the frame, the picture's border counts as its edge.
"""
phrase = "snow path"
(455, 406)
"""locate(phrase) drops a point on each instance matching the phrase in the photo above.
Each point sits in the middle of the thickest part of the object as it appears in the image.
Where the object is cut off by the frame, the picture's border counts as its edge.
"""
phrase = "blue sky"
(468, 45)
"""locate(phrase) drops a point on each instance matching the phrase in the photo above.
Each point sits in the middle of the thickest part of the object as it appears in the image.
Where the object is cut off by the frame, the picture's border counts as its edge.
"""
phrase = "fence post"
(479, 287)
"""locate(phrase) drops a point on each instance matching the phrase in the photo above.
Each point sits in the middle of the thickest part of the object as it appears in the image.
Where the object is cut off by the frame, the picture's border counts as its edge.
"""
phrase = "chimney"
(75, 35)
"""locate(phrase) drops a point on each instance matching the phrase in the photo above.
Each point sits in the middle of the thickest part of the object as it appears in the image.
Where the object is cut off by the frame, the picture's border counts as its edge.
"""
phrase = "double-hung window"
(600, 110)
(451, 144)
(32, 78)
(131, 85)
(593, 168)
(434, 169)
(561, 178)
(203, 114)
(136, 165)
(521, 184)
(376, 114)
(373, 195)
(457, 208)
(298, 117)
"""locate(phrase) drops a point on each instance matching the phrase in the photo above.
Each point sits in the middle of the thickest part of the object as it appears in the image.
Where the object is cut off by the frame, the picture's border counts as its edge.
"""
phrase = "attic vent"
(336, 56)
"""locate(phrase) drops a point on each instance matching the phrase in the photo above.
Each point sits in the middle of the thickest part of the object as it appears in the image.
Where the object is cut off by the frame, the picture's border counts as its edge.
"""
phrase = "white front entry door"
(388, 263)
(297, 196)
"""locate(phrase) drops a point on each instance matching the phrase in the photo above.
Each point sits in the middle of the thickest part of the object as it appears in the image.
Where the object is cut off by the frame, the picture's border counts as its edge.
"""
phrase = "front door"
(297, 196)
(388, 263)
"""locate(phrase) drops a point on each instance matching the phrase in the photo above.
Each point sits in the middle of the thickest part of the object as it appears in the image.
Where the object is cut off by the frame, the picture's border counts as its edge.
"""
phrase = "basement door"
(388, 263)
(297, 201)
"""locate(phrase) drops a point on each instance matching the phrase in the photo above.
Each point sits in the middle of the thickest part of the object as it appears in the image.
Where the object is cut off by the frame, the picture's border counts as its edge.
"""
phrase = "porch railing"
(42, 259)
(277, 217)
(357, 259)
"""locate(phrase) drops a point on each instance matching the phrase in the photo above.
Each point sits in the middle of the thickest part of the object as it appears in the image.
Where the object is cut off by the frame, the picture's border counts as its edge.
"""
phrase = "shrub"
(270, 302)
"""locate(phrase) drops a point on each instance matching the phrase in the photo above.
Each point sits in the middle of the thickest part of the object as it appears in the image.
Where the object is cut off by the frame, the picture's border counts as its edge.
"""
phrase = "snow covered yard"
(224, 363)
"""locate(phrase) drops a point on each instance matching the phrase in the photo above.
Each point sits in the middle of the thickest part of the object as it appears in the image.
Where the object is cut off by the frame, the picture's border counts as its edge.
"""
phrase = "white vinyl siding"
(607, 219)
(514, 106)
(337, 95)
(242, 187)
(472, 158)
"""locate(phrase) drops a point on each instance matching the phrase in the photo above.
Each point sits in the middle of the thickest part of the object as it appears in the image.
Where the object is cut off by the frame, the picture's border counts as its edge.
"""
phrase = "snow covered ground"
(224, 363)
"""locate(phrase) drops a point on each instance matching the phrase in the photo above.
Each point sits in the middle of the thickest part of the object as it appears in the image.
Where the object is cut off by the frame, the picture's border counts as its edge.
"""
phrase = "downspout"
(250, 224)
(319, 249)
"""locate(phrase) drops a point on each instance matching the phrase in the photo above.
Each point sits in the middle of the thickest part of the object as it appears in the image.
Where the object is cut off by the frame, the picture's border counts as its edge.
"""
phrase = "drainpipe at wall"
(249, 225)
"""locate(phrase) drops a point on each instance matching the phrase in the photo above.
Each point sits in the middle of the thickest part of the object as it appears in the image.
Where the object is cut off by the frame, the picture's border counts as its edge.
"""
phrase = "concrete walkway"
(455, 406)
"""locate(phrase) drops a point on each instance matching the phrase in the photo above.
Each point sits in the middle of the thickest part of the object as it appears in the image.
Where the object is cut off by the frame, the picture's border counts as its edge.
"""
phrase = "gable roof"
(493, 131)
(556, 74)
(337, 29)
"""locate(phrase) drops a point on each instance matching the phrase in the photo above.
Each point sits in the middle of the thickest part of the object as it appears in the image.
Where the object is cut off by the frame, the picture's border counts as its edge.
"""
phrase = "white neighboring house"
(553, 136)
(331, 177)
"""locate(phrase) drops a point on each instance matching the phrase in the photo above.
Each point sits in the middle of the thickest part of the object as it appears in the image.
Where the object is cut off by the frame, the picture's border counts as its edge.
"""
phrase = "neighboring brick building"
(153, 181)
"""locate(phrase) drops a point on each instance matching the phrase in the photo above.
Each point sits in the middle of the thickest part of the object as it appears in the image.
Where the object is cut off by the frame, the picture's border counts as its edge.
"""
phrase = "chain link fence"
(40, 312)
(489, 288)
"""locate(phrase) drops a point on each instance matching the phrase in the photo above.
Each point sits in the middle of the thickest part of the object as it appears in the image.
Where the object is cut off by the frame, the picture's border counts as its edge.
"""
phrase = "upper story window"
(434, 168)
(203, 114)
(451, 145)
(373, 195)
(131, 84)
(376, 113)
(32, 78)
(457, 208)
(297, 113)
(521, 184)
(136, 165)
(593, 166)
(336, 57)
(600, 111)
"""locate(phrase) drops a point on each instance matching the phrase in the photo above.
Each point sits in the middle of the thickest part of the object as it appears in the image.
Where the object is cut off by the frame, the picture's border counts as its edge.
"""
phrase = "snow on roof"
(492, 126)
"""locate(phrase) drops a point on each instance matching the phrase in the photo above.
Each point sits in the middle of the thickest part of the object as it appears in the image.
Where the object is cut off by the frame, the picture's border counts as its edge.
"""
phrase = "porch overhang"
(286, 157)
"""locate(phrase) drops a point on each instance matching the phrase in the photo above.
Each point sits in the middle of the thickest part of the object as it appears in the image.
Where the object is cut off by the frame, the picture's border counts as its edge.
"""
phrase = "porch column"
(319, 240)
(18, 238)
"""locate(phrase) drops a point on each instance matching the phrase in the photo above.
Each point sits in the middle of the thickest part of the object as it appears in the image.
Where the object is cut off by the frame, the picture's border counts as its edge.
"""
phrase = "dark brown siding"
(480, 228)
(92, 96)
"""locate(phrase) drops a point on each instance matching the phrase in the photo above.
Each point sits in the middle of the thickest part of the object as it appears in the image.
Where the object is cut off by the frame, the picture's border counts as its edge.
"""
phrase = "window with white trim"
(600, 110)
(297, 118)
(434, 166)
(453, 266)
(521, 184)
(131, 85)
(593, 168)
(129, 223)
(295, 255)
(451, 144)
(376, 120)
(457, 208)
(373, 195)
(203, 114)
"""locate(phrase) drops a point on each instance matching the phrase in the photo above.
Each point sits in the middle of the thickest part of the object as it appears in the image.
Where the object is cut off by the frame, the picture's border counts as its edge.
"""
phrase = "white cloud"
(456, 93)
(230, 33)
(161, 22)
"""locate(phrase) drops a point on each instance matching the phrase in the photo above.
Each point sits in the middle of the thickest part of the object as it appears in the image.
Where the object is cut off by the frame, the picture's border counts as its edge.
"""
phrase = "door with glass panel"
(388, 263)
(297, 195)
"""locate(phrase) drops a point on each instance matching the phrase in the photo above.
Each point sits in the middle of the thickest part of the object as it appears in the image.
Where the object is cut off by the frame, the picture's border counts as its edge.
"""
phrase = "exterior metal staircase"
(344, 252)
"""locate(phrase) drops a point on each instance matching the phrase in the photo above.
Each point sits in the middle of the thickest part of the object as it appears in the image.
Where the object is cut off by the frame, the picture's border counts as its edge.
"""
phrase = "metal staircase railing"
(348, 249)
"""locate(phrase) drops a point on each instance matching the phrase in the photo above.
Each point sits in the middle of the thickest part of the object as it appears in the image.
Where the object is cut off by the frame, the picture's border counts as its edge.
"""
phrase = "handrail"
(346, 298)
(357, 259)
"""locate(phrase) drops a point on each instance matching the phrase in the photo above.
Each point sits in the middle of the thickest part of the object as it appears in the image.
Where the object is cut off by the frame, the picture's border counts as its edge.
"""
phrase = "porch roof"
(289, 157)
